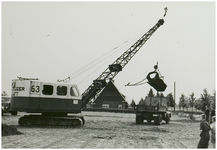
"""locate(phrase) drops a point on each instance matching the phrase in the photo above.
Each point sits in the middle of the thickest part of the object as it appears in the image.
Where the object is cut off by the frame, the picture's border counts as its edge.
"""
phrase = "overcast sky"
(53, 40)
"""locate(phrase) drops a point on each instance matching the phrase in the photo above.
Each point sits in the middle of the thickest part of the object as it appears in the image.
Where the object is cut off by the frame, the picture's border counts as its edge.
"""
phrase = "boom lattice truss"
(117, 66)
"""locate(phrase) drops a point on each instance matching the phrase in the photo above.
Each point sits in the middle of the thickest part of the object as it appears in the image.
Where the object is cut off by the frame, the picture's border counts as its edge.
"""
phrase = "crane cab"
(35, 96)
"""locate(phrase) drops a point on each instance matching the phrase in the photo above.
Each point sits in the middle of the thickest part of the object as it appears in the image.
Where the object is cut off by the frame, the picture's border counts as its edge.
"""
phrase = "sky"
(54, 40)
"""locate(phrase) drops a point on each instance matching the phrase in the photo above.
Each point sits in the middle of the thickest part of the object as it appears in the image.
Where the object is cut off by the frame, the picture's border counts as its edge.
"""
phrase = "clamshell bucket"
(157, 83)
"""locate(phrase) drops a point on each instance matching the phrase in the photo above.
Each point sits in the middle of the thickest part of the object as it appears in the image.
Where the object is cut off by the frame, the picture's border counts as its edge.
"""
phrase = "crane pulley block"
(157, 83)
(160, 22)
(115, 67)
(99, 83)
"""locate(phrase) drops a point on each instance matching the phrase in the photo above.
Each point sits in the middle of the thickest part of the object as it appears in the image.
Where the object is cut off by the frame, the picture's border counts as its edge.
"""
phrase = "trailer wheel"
(139, 119)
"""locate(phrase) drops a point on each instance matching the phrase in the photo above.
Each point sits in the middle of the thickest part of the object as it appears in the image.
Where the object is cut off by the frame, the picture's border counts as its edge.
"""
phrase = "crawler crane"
(51, 104)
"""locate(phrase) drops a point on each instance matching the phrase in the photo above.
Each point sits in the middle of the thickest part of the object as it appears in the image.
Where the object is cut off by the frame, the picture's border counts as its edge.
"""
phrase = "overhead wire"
(88, 66)
(106, 62)
(82, 69)
(104, 57)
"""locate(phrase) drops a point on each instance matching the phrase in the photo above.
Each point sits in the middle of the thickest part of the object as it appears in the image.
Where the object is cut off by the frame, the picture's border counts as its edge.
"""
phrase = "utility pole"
(174, 96)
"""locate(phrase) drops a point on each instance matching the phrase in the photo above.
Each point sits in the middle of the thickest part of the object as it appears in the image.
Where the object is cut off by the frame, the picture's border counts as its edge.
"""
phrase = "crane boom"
(117, 66)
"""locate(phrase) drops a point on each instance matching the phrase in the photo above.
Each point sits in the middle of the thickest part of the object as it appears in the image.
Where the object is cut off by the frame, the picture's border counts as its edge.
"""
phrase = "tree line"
(185, 102)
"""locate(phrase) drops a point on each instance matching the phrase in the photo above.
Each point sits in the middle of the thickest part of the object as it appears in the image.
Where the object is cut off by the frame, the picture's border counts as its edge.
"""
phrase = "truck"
(153, 108)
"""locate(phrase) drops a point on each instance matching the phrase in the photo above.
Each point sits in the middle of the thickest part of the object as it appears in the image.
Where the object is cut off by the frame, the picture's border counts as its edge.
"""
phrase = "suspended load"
(157, 83)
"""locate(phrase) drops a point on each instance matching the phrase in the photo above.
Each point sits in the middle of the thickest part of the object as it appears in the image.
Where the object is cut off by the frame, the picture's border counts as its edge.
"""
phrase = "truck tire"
(167, 120)
(139, 119)
(14, 113)
(168, 116)
(158, 120)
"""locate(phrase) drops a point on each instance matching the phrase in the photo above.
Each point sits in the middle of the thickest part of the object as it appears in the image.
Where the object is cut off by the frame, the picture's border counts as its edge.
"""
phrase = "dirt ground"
(107, 130)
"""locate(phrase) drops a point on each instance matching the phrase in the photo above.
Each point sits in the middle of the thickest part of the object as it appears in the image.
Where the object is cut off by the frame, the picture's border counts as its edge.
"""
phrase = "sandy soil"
(107, 130)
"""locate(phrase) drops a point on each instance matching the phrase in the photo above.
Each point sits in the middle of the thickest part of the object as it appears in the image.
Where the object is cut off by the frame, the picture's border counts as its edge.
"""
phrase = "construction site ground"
(106, 130)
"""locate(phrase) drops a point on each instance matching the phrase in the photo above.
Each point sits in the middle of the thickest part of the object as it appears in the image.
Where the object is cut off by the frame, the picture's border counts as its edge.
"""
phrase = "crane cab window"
(47, 90)
(61, 90)
(73, 91)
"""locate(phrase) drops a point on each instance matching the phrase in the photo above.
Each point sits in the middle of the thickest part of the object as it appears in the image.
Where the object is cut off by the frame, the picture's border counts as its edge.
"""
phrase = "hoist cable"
(94, 71)
(118, 48)
(89, 65)
(138, 83)
(86, 67)
(108, 59)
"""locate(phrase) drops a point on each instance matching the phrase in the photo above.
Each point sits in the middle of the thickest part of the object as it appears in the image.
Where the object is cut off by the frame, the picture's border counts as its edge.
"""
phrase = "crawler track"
(49, 121)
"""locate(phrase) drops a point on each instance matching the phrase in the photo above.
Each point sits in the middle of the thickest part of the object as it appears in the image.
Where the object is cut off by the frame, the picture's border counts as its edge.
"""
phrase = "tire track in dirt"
(178, 144)
(70, 142)
(107, 130)
(101, 143)
(15, 141)
(124, 142)
(59, 138)
(11, 139)
(164, 143)
(130, 143)
(104, 141)
(33, 143)
(51, 142)
(89, 141)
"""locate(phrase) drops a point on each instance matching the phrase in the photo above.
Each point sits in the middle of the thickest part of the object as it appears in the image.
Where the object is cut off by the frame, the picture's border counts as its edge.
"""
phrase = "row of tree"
(185, 102)
(200, 103)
